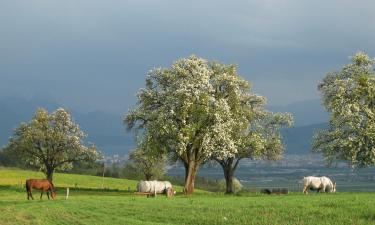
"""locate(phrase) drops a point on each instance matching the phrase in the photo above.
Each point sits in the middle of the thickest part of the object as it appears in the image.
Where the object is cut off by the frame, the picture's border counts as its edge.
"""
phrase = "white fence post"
(67, 194)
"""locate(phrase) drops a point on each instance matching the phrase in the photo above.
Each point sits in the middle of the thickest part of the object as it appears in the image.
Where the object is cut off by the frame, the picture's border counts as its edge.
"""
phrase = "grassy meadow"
(88, 204)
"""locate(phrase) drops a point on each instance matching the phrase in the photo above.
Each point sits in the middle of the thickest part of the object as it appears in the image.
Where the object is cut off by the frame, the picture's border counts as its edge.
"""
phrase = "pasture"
(90, 205)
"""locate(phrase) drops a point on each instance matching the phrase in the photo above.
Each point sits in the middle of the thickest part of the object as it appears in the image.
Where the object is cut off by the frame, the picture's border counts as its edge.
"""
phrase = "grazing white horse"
(155, 187)
(321, 184)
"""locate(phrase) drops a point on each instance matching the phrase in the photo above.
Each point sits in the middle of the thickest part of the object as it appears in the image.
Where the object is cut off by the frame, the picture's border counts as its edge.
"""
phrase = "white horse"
(321, 184)
(154, 187)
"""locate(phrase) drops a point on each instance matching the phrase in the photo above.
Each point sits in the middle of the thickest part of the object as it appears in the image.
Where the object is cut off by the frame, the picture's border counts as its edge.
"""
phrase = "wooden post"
(103, 176)
(67, 194)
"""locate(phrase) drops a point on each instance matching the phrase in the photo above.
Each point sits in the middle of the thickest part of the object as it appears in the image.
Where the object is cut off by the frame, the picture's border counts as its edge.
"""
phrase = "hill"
(298, 140)
(304, 112)
(18, 177)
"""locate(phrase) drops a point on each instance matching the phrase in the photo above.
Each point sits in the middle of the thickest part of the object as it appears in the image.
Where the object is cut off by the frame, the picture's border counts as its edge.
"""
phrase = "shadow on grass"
(369, 217)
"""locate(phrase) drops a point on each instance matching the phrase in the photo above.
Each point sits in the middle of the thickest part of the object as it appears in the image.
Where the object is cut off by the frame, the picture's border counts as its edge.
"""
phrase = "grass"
(121, 207)
(17, 177)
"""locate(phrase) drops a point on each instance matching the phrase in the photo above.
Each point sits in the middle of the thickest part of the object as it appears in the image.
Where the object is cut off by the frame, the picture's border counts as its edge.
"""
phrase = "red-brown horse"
(42, 185)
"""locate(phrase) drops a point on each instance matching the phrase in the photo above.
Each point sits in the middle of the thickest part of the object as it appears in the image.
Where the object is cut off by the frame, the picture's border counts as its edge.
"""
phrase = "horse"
(321, 184)
(156, 187)
(42, 185)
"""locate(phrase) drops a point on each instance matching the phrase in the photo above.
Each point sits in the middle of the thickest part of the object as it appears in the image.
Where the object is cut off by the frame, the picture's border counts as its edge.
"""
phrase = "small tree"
(130, 171)
(148, 161)
(253, 131)
(263, 141)
(349, 96)
(51, 142)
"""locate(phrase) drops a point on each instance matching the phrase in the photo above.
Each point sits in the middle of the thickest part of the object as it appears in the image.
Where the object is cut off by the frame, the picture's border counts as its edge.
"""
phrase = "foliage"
(198, 110)
(114, 170)
(130, 171)
(151, 165)
(253, 131)
(349, 96)
(201, 183)
(237, 186)
(181, 112)
(178, 112)
(86, 167)
(11, 159)
(51, 142)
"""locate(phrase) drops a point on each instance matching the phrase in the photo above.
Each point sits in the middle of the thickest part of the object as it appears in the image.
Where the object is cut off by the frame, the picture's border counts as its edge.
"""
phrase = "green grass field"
(93, 206)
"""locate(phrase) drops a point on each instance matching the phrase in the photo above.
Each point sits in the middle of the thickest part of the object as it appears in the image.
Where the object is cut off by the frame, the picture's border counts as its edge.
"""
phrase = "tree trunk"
(186, 165)
(191, 172)
(228, 174)
(49, 174)
(148, 177)
(229, 166)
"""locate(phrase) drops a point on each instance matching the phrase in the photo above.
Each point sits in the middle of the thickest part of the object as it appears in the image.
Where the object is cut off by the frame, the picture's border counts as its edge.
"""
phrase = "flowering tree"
(180, 114)
(253, 131)
(349, 96)
(51, 142)
(197, 110)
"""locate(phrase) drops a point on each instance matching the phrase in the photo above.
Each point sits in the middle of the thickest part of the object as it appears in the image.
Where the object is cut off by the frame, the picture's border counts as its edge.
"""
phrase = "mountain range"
(107, 131)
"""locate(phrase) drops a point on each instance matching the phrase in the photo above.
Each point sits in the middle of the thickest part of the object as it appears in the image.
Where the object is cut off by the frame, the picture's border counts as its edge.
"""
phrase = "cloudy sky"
(94, 54)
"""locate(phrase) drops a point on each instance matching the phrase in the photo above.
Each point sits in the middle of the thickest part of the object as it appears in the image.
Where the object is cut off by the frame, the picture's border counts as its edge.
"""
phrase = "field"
(90, 205)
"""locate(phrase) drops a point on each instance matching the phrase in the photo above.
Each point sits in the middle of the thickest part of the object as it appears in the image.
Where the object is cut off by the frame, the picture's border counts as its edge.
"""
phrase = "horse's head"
(170, 192)
(334, 187)
(53, 194)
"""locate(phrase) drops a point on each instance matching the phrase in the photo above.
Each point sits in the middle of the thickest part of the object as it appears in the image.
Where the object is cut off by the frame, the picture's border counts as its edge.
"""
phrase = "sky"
(94, 55)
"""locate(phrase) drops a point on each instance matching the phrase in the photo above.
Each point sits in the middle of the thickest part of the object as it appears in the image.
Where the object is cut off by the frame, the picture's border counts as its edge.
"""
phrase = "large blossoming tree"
(51, 142)
(349, 96)
(180, 114)
(193, 110)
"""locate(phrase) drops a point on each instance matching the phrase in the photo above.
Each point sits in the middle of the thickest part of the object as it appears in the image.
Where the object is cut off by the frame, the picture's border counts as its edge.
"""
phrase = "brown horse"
(42, 185)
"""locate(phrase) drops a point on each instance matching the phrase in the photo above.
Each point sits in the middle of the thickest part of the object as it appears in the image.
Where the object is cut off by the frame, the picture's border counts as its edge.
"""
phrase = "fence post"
(67, 194)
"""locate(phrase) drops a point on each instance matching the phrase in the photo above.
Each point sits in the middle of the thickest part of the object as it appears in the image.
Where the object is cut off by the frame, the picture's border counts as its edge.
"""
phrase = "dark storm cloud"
(95, 54)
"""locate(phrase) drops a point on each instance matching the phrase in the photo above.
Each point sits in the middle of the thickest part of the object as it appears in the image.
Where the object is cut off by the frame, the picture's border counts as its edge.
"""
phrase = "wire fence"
(352, 187)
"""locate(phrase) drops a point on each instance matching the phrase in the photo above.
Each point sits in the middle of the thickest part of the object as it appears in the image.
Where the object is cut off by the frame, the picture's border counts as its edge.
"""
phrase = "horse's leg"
(31, 194)
(48, 195)
(305, 190)
(28, 190)
(41, 194)
(322, 189)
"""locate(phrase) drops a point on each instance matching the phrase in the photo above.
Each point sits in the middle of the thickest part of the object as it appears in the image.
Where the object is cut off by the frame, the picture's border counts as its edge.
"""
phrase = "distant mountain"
(305, 112)
(105, 130)
(298, 140)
